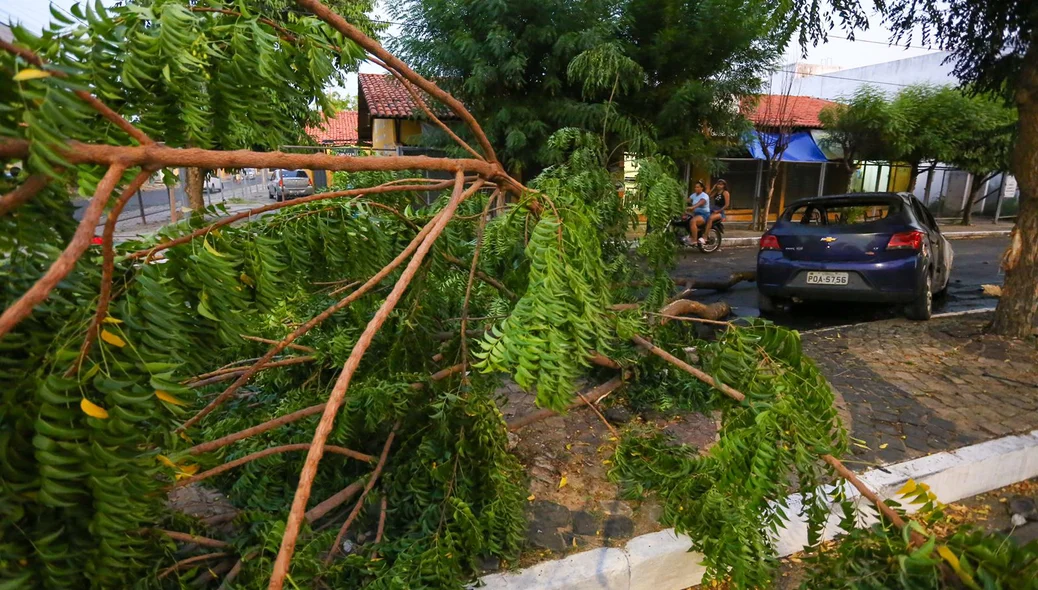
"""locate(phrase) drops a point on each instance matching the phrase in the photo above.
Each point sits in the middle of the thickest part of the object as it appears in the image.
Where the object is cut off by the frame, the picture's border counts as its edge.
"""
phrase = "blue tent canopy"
(801, 148)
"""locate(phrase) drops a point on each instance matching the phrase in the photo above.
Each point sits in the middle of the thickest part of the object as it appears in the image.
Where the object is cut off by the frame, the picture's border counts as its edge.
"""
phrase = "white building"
(949, 187)
(825, 81)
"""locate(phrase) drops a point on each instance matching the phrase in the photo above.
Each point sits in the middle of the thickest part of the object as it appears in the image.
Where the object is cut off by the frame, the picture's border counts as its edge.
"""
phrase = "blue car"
(877, 247)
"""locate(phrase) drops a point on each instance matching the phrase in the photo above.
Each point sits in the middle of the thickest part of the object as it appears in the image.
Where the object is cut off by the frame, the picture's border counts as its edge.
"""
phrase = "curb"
(662, 561)
(961, 235)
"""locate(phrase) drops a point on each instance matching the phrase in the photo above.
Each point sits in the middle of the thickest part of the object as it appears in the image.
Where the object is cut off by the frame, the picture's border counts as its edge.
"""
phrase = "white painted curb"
(662, 561)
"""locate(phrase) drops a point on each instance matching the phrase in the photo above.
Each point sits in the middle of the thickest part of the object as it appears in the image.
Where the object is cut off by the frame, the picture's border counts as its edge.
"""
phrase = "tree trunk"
(967, 208)
(913, 174)
(761, 222)
(971, 200)
(193, 187)
(929, 184)
(851, 169)
(1018, 305)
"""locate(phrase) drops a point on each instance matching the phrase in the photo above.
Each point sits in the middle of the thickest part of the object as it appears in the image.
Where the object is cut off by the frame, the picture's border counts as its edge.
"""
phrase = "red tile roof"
(340, 129)
(772, 110)
(387, 99)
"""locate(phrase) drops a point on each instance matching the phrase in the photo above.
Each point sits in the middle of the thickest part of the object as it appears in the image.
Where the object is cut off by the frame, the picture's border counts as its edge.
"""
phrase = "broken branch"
(324, 427)
(364, 494)
(265, 453)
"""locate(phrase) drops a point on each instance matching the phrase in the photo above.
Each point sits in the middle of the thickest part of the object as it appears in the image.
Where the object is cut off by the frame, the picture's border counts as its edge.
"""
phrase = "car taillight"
(309, 180)
(906, 240)
(281, 182)
(769, 242)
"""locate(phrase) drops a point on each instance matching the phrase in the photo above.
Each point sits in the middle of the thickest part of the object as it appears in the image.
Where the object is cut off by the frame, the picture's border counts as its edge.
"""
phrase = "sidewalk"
(908, 389)
(235, 200)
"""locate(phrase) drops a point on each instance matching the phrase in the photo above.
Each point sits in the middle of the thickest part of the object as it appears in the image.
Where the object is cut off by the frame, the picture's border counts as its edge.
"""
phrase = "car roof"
(849, 197)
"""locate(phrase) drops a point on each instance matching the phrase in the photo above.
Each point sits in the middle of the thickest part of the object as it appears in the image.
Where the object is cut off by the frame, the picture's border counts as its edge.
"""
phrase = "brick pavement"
(913, 388)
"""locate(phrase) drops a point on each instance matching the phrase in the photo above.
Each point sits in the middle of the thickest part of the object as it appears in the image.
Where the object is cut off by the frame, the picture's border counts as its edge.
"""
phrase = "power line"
(805, 75)
(884, 43)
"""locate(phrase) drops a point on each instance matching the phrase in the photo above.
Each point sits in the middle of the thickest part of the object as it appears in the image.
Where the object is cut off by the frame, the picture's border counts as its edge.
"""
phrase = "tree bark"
(913, 174)
(761, 222)
(971, 200)
(193, 187)
(929, 184)
(1016, 311)
(851, 169)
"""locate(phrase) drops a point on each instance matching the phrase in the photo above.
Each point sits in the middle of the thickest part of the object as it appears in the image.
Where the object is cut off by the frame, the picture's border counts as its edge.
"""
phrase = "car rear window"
(293, 173)
(843, 212)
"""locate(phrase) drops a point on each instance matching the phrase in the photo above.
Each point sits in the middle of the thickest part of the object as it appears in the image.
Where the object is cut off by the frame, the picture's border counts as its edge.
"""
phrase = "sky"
(871, 46)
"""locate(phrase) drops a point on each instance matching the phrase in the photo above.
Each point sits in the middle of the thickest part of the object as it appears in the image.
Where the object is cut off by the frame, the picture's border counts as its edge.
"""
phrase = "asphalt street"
(976, 264)
(158, 198)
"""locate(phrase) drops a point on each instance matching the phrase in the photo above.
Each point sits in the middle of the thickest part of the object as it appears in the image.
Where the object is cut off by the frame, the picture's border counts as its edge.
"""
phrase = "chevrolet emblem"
(828, 239)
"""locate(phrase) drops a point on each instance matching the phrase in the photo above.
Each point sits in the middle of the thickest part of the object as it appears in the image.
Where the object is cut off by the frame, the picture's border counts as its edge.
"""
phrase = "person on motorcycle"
(699, 202)
(720, 198)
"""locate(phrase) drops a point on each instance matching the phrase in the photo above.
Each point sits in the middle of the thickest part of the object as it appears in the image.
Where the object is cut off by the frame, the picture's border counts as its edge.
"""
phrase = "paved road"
(976, 264)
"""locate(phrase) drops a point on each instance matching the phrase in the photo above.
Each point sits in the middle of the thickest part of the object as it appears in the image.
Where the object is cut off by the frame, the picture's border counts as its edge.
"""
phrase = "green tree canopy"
(619, 67)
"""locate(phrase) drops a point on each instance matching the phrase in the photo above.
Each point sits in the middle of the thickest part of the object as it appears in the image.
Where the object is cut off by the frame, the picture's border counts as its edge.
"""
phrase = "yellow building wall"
(899, 177)
(383, 134)
(409, 132)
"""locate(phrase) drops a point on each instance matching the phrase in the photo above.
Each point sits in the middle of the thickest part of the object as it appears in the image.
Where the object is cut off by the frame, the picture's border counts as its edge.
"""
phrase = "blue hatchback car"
(881, 247)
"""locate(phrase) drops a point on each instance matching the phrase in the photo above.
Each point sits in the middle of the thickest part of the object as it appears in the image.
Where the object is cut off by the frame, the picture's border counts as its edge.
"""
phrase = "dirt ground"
(573, 505)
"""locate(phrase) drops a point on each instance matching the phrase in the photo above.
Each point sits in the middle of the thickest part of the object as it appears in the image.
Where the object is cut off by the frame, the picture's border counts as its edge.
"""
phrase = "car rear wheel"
(769, 305)
(922, 308)
(279, 196)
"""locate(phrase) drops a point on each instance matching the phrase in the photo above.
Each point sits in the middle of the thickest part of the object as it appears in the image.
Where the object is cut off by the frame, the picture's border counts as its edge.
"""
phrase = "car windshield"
(293, 173)
(843, 212)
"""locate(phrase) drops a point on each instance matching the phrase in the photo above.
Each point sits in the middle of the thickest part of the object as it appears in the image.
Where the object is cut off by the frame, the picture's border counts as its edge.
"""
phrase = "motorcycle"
(711, 242)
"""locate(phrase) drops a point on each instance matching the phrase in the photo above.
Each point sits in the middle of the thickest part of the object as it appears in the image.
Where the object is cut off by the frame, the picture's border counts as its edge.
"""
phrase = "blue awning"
(801, 148)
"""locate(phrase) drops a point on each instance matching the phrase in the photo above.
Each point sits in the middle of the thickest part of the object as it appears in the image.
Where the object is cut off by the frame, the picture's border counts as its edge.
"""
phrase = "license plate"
(827, 278)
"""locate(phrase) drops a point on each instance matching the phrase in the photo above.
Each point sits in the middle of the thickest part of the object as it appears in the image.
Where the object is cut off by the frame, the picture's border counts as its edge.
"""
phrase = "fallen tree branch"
(266, 453)
(194, 539)
(682, 307)
(333, 501)
(364, 494)
(90, 99)
(293, 346)
(501, 288)
(309, 324)
(871, 496)
(107, 267)
(705, 378)
(22, 193)
(295, 416)
(227, 375)
(184, 563)
(468, 286)
(594, 395)
(235, 570)
(722, 285)
(393, 63)
(23, 306)
(309, 471)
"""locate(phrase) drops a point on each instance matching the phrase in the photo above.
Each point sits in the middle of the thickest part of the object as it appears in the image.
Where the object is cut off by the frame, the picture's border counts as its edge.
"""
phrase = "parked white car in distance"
(213, 184)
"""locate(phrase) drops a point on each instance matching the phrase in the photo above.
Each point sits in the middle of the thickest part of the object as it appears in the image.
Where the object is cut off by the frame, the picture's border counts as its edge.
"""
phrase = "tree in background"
(340, 101)
(925, 125)
(621, 68)
(859, 128)
(773, 130)
(993, 45)
(985, 149)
